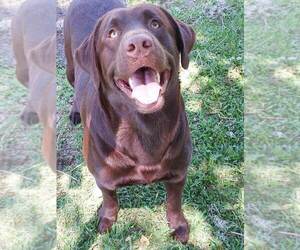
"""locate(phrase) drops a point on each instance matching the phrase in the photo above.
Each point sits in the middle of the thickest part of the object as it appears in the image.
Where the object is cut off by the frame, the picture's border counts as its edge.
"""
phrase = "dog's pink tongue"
(145, 86)
(146, 94)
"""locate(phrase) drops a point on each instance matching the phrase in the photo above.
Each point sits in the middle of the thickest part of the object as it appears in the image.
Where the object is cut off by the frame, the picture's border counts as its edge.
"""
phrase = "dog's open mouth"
(145, 85)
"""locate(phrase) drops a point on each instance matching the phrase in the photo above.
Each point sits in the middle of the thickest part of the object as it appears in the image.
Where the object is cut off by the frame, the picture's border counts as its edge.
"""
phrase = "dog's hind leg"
(74, 115)
(81, 80)
(75, 110)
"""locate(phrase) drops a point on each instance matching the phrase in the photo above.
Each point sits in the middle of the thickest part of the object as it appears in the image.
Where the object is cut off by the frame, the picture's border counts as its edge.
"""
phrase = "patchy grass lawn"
(213, 195)
(27, 185)
(272, 125)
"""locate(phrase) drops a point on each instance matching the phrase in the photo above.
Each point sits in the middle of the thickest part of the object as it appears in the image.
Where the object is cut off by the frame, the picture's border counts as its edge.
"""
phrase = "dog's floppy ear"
(185, 38)
(86, 55)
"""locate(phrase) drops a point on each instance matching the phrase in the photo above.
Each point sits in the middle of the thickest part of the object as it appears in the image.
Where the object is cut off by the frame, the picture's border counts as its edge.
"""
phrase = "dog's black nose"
(139, 45)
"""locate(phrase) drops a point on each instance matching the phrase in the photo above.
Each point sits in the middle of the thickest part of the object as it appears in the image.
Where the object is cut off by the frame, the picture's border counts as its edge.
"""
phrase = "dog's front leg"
(175, 216)
(108, 211)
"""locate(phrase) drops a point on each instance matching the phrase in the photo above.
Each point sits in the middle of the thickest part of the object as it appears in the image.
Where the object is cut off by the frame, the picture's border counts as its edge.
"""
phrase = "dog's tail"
(22, 71)
(68, 52)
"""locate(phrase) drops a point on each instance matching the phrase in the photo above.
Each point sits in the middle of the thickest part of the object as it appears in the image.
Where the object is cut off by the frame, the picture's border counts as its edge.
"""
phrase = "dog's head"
(133, 56)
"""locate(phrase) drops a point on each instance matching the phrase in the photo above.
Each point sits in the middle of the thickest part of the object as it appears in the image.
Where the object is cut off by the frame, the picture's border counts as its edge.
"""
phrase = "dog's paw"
(181, 233)
(30, 117)
(179, 225)
(75, 118)
(104, 225)
(106, 218)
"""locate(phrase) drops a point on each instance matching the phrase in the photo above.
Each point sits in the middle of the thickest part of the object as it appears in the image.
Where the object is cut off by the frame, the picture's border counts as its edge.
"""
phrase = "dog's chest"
(136, 174)
(145, 149)
(132, 162)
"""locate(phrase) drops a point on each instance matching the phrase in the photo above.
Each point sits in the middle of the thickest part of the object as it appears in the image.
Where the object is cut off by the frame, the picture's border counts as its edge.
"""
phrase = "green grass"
(27, 185)
(272, 125)
(213, 195)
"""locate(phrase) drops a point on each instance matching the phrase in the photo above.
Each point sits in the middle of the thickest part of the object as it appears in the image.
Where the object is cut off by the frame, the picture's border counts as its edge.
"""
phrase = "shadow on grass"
(87, 234)
(7, 201)
(33, 178)
(122, 236)
(77, 176)
(46, 239)
(148, 196)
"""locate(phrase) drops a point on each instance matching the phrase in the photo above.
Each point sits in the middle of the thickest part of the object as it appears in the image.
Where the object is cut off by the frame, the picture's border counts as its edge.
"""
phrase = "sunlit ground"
(272, 125)
(27, 185)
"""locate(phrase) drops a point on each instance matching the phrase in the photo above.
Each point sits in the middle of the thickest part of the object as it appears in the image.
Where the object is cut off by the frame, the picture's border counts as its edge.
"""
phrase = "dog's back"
(34, 21)
(79, 22)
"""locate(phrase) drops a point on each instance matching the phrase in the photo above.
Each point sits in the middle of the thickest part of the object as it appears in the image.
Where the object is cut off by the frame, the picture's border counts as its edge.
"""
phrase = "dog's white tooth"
(158, 77)
(130, 82)
(165, 80)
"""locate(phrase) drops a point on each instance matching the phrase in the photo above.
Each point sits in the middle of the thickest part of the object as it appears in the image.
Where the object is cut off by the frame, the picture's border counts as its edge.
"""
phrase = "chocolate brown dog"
(127, 94)
(34, 43)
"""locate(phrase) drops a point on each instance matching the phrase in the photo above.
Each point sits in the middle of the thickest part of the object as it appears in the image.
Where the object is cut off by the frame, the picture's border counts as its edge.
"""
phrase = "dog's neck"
(153, 131)
(157, 122)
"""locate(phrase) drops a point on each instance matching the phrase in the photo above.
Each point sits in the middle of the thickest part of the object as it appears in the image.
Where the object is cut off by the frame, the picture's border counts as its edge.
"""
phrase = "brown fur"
(34, 42)
(126, 143)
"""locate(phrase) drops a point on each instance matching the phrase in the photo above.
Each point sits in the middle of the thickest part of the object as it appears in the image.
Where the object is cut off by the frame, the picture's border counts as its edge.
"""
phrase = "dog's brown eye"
(155, 24)
(112, 33)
